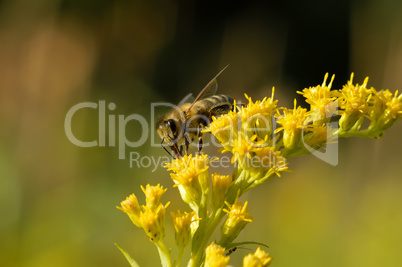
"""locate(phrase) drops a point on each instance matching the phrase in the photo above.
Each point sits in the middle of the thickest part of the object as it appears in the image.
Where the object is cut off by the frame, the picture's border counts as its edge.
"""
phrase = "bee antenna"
(163, 139)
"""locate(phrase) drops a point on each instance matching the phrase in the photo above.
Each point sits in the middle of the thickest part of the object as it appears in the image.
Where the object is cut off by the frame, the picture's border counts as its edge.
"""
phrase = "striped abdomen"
(214, 105)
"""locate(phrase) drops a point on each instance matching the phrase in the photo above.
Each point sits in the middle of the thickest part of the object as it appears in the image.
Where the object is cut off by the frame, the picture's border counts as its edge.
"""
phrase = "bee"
(184, 123)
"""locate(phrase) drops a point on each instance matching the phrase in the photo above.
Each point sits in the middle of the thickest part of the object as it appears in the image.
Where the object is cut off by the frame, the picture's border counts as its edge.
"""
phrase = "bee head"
(169, 130)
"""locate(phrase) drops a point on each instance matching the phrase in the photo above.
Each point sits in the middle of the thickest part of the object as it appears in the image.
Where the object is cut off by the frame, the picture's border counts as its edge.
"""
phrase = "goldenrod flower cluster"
(260, 137)
(150, 217)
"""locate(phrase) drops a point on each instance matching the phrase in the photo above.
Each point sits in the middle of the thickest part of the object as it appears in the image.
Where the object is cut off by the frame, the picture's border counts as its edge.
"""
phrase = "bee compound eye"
(172, 125)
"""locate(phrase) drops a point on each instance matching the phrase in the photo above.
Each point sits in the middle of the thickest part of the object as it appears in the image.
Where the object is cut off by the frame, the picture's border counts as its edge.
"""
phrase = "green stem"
(164, 254)
(212, 224)
(206, 229)
(366, 133)
(240, 183)
(197, 245)
(181, 249)
(260, 181)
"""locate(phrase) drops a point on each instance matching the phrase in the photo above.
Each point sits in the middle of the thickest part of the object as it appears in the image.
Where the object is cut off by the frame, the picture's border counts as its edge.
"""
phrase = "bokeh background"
(57, 200)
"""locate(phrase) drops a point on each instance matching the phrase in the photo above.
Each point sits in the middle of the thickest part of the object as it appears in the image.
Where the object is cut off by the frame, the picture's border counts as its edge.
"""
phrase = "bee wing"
(187, 99)
(208, 90)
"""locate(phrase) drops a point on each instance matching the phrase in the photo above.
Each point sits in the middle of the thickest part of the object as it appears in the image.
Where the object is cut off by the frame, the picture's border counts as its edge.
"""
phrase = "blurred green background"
(57, 200)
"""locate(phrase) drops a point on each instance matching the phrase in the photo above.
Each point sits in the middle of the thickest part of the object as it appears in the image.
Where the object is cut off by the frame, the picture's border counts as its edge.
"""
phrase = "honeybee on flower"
(259, 152)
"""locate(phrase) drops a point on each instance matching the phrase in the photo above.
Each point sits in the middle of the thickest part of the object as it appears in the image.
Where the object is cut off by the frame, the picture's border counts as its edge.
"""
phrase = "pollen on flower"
(189, 187)
(179, 164)
(293, 122)
(355, 102)
(130, 204)
(131, 207)
(321, 100)
(186, 177)
(256, 117)
(268, 158)
(190, 175)
(281, 166)
(238, 218)
(201, 165)
(150, 221)
(220, 185)
(237, 212)
(182, 228)
(201, 162)
(379, 101)
(258, 259)
(319, 136)
(244, 148)
(224, 128)
(150, 217)
(319, 96)
(387, 108)
(265, 107)
(153, 195)
(214, 256)
(395, 106)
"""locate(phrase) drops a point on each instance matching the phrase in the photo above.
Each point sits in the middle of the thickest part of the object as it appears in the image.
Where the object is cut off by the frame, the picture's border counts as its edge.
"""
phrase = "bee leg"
(176, 150)
(173, 147)
(181, 149)
(200, 142)
(170, 154)
(187, 142)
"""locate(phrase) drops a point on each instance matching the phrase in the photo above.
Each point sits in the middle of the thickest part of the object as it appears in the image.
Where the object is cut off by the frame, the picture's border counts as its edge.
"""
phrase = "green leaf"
(130, 260)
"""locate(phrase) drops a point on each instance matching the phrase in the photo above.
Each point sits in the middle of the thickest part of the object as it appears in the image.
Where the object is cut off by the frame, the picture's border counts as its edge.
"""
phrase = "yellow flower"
(319, 136)
(153, 195)
(131, 207)
(214, 256)
(293, 122)
(238, 218)
(189, 187)
(249, 153)
(182, 224)
(220, 185)
(179, 164)
(355, 100)
(321, 100)
(380, 100)
(256, 117)
(258, 259)
(190, 175)
(243, 149)
(265, 107)
(267, 158)
(258, 159)
(150, 217)
(259, 153)
(225, 128)
(392, 111)
(201, 165)
(153, 222)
